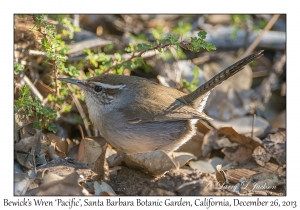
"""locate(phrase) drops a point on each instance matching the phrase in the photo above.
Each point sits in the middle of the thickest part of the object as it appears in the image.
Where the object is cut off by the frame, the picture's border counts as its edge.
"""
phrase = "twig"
(138, 55)
(55, 73)
(31, 52)
(33, 88)
(81, 131)
(81, 112)
(260, 36)
(253, 122)
(53, 62)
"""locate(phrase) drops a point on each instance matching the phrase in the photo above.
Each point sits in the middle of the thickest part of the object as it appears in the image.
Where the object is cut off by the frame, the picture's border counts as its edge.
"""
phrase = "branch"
(137, 55)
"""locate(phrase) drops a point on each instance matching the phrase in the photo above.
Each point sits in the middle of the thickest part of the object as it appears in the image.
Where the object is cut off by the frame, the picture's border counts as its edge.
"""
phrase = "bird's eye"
(98, 88)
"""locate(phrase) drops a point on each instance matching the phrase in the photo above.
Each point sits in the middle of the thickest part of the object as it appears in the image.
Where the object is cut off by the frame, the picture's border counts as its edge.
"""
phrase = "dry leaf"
(103, 189)
(208, 141)
(49, 177)
(51, 151)
(221, 175)
(156, 163)
(40, 159)
(62, 145)
(207, 165)
(234, 136)
(275, 144)
(110, 156)
(182, 158)
(101, 168)
(21, 125)
(26, 144)
(21, 183)
(66, 187)
(203, 127)
(263, 181)
(90, 150)
(238, 153)
(261, 156)
(32, 148)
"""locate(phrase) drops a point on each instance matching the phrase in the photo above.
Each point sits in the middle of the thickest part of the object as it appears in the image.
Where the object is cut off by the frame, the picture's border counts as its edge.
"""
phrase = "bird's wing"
(164, 108)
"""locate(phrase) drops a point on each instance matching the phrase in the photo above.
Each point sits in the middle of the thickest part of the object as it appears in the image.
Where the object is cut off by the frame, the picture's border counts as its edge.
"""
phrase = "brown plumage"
(136, 115)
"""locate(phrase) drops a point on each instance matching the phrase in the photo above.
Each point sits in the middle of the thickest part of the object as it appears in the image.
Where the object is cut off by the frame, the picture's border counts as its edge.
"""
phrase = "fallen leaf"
(156, 163)
(234, 136)
(101, 168)
(40, 159)
(103, 189)
(26, 144)
(21, 183)
(182, 158)
(49, 177)
(110, 156)
(275, 144)
(261, 156)
(31, 148)
(208, 165)
(62, 145)
(202, 165)
(90, 150)
(203, 127)
(51, 151)
(238, 153)
(263, 181)
(67, 186)
(21, 125)
(221, 175)
(208, 141)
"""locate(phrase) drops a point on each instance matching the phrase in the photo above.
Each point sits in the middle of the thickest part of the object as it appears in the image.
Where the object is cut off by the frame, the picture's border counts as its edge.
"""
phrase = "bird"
(136, 115)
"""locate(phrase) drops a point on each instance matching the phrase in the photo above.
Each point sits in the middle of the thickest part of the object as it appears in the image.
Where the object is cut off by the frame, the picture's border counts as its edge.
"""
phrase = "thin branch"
(31, 52)
(33, 88)
(253, 122)
(137, 55)
(260, 36)
(81, 112)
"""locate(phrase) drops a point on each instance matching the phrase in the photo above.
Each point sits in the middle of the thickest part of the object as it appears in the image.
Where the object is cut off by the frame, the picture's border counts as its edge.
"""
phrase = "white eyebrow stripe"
(108, 86)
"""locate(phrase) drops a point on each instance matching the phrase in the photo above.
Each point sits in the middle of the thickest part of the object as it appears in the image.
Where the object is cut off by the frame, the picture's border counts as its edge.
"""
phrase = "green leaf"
(108, 47)
(202, 34)
(143, 47)
(18, 67)
(37, 126)
(118, 57)
(52, 127)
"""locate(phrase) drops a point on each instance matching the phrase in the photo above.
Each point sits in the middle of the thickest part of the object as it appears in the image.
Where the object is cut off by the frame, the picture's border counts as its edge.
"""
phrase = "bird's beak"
(77, 82)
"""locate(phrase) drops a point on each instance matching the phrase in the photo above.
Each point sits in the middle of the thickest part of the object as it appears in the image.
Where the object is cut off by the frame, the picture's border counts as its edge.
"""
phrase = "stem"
(138, 55)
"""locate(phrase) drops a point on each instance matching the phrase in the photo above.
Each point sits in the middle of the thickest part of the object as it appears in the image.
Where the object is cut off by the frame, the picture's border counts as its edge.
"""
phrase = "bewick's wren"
(136, 115)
